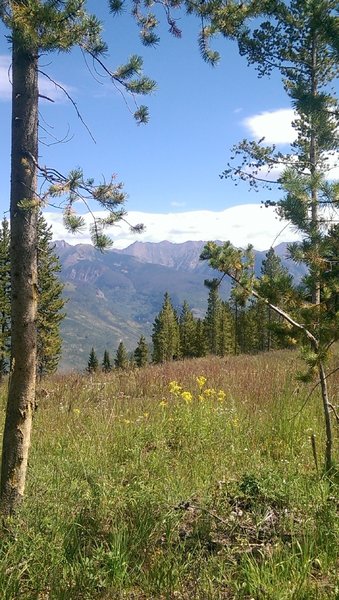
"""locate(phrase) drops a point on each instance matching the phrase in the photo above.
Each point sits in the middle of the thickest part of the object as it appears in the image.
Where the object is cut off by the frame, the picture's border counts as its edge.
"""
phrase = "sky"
(170, 167)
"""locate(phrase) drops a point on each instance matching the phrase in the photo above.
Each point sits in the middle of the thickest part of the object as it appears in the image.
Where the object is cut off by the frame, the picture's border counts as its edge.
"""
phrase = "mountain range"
(115, 295)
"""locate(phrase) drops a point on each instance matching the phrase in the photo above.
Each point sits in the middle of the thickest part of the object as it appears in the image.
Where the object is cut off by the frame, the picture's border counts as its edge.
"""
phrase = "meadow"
(190, 480)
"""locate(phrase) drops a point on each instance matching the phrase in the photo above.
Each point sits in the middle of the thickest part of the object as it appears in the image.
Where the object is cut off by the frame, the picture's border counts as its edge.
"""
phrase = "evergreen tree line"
(234, 327)
(122, 360)
(50, 301)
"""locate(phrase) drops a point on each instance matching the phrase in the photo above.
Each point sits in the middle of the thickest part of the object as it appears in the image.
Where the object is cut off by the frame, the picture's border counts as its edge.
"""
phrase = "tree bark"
(327, 417)
(313, 158)
(23, 253)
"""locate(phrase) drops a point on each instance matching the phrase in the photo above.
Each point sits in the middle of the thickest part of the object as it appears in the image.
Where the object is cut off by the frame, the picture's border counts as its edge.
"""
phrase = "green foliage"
(296, 39)
(121, 357)
(275, 282)
(41, 27)
(238, 264)
(291, 40)
(141, 115)
(187, 332)
(75, 187)
(240, 326)
(56, 25)
(276, 285)
(110, 197)
(193, 494)
(106, 363)
(218, 322)
(141, 353)
(50, 302)
(200, 338)
(212, 319)
(165, 337)
(93, 363)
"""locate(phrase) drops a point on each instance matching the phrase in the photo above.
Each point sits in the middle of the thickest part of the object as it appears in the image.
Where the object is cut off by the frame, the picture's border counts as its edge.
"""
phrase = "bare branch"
(278, 311)
(334, 411)
(74, 104)
(46, 98)
(313, 390)
(114, 80)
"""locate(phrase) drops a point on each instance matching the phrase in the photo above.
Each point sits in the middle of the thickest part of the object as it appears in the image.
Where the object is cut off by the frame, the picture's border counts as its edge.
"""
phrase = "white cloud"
(177, 204)
(46, 87)
(243, 224)
(333, 166)
(5, 86)
(275, 126)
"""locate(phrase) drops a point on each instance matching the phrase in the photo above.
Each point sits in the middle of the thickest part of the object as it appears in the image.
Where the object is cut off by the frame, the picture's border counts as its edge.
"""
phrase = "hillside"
(192, 480)
(116, 295)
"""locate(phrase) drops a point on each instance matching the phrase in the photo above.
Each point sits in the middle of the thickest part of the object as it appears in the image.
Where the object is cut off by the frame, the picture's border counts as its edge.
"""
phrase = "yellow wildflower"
(187, 396)
(76, 411)
(201, 380)
(221, 395)
(163, 403)
(174, 388)
(209, 392)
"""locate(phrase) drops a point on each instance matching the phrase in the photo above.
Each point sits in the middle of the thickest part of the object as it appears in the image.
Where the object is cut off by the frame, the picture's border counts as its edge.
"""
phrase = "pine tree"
(252, 327)
(106, 363)
(296, 39)
(93, 363)
(275, 284)
(165, 337)
(141, 353)
(121, 357)
(240, 343)
(5, 303)
(200, 339)
(213, 316)
(187, 332)
(226, 330)
(50, 302)
(256, 326)
(35, 29)
(218, 323)
(239, 299)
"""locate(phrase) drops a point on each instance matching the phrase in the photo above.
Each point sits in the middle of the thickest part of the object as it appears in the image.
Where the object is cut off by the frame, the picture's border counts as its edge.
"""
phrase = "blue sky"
(171, 166)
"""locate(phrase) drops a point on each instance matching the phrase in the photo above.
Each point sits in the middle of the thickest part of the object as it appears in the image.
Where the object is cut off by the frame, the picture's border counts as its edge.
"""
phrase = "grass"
(154, 484)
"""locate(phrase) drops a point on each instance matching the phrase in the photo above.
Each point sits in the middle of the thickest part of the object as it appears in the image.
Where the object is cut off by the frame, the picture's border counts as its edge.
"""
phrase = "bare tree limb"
(278, 311)
(74, 104)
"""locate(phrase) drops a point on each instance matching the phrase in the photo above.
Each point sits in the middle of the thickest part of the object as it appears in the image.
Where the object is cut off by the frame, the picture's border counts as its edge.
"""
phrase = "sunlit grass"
(189, 480)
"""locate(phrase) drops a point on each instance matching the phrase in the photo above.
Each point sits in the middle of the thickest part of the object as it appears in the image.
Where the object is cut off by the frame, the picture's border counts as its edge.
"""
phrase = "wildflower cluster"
(204, 393)
(178, 392)
(201, 380)
(212, 394)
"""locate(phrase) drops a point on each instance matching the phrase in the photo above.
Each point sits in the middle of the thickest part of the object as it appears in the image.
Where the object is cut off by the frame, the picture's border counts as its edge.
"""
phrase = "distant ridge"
(178, 256)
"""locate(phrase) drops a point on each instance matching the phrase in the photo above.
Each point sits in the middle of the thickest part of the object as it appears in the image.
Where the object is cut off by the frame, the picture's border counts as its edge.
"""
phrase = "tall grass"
(208, 491)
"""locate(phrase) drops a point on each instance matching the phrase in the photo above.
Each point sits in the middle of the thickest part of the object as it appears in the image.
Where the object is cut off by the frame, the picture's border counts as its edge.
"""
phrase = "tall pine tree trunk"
(23, 253)
(327, 416)
(313, 158)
